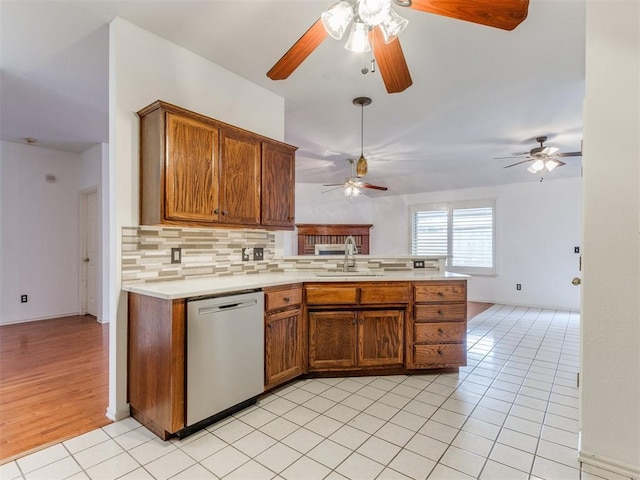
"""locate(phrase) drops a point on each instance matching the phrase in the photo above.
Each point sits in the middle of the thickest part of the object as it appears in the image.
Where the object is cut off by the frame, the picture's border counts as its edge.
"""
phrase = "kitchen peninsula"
(316, 323)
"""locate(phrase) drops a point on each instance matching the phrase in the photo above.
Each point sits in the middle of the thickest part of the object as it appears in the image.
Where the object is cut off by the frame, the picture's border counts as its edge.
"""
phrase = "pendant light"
(361, 165)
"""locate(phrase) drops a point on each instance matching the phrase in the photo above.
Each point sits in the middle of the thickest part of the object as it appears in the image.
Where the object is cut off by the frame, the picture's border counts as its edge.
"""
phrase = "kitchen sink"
(348, 274)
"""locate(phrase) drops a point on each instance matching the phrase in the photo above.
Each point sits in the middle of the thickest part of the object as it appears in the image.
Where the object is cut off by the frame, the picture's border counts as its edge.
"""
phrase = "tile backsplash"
(214, 252)
(146, 252)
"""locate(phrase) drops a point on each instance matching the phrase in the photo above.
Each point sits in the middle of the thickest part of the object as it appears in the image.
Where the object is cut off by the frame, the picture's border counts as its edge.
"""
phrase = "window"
(464, 231)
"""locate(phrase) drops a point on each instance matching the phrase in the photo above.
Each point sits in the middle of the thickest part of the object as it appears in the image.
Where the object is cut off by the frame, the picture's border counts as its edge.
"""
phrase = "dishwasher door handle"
(225, 307)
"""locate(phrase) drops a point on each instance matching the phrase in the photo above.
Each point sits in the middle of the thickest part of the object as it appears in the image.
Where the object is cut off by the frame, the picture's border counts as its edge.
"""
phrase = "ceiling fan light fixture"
(551, 164)
(336, 19)
(392, 26)
(536, 166)
(352, 188)
(358, 41)
(373, 12)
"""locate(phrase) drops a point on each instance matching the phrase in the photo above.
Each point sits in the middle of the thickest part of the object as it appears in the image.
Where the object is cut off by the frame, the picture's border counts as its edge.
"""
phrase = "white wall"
(39, 240)
(142, 69)
(538, 226)
(610, 362)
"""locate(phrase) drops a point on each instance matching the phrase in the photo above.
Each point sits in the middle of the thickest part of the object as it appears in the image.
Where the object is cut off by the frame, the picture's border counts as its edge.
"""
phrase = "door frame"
(82, 246)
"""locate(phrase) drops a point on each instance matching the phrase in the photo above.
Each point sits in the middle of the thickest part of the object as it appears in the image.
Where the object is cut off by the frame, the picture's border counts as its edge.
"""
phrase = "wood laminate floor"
(54, 381)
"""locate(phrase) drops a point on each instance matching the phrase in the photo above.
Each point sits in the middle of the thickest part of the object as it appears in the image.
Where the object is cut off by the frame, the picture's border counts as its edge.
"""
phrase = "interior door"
(90, 259)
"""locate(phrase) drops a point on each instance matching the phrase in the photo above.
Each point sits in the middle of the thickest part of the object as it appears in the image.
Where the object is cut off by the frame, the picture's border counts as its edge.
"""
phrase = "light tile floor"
(510, 414)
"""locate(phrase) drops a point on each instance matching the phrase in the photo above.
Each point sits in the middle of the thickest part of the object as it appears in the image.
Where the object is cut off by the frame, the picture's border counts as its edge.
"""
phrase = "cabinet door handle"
(216, 211)
(440, 331)
(269, 326)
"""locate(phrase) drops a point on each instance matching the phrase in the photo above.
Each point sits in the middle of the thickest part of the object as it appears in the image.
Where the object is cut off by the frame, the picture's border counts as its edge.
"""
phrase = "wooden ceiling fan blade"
(569, 154)
(504, 14)
(390, 59)
(374, 187)
(297, 54)
(520, 163)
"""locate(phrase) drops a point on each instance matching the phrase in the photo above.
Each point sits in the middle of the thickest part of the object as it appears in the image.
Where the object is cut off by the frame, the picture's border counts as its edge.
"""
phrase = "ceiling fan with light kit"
(375, 28)
(543, 157)
(352, 185)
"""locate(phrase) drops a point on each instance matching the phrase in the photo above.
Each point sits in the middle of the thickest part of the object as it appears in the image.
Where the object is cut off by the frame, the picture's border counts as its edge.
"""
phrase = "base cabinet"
(353, 339)
(284, 335)
(439, 326)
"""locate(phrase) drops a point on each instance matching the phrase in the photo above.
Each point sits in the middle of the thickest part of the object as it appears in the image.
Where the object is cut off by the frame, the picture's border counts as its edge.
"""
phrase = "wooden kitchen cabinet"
(356, 326)
(439, 328)
(197, 171)
(278, 185)
(239, 178)
(156, 363)
(284, 337)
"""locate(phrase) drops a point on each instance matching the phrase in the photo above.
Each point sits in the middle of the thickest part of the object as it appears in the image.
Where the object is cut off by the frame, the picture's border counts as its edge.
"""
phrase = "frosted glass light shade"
(373, 12)
(337, 18)
(537, 165)
(351, 191)
(358, 41)
(551, 164)
(392, 26)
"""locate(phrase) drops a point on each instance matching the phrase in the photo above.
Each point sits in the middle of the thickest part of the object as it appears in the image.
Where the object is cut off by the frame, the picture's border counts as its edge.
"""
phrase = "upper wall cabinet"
(196, 171)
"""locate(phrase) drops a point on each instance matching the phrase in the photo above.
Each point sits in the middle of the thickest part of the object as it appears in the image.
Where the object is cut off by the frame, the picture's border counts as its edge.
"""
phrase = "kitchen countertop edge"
(198, 287)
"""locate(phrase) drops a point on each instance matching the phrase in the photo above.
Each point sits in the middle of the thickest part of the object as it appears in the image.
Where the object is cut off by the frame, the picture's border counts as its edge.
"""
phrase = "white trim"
(82, 245)
(119, 414)
(609, 464)
(45, 317)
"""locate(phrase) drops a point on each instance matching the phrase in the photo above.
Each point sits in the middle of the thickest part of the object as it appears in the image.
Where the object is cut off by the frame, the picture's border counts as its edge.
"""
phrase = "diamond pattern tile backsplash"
(209, 252)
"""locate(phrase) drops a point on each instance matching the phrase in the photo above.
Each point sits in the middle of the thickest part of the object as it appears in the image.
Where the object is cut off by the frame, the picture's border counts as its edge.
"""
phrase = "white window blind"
(463, 231)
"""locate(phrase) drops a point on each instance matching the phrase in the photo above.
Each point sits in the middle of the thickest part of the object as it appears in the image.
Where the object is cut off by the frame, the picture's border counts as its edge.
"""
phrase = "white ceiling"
(477, 93)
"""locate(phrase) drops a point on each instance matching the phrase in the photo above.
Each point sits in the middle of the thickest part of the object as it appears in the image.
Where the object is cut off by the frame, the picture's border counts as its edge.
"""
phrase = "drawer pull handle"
(216, 211)
(441, 294)
(286, 299)
(440, 312)
(440, 331)
(440, 352)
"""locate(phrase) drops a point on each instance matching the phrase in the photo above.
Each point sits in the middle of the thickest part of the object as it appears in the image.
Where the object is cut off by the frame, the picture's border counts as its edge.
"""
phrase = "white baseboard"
(119, 414)
(37, 319)
(609, 464)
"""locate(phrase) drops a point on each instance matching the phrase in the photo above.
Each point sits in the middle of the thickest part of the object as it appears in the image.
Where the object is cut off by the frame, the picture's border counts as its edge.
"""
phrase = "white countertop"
(197, 287)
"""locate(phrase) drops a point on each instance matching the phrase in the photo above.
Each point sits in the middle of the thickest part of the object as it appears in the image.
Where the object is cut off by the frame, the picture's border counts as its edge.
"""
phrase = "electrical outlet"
(176, 255)
(258, 253)
(576, 249)
(518, 286)
(23, 299)
(418, 264)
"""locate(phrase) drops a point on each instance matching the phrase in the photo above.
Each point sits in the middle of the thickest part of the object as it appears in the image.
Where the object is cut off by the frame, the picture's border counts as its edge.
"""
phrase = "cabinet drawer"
(439, 332)
(278, 299)
(451, 291)
(331, 295)
(451, 354)
(373, 294)
(456, 312)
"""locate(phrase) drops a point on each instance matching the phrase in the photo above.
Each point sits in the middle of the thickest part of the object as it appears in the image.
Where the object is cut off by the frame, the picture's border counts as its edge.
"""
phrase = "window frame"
(450, 206)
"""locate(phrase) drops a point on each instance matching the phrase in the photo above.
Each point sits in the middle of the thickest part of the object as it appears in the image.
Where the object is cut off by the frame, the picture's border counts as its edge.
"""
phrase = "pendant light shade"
(392, 26)
(373, 12)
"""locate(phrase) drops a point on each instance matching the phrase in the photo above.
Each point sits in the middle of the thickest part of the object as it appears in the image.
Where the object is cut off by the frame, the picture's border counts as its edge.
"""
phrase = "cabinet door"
(283, 347)
(191, 178)
(332, 340)
(380, 337)
(278, 180)
(239, 178)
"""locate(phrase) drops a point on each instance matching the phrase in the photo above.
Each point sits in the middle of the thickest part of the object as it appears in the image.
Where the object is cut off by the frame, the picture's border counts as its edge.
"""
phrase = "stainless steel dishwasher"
(225, 356)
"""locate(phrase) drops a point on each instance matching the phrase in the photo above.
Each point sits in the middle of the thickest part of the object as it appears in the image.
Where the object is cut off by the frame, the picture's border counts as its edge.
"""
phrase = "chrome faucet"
(350, 250)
